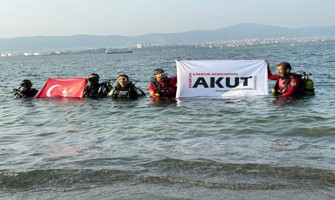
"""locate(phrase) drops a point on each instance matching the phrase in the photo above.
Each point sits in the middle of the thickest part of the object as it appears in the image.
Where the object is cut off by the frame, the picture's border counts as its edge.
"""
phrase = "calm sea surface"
(191, 148)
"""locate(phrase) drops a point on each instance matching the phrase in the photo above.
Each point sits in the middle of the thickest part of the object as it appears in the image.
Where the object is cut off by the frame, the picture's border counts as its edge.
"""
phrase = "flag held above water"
(63, 87)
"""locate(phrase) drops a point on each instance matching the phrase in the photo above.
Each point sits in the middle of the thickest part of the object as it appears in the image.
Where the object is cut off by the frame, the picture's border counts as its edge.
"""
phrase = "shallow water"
(191, 148)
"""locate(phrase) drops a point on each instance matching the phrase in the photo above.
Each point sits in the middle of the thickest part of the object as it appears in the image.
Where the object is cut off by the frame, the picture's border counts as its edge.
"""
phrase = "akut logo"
(221, 82)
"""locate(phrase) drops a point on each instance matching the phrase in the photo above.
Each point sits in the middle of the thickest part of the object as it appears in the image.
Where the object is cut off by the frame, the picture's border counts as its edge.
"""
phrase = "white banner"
(221, 78)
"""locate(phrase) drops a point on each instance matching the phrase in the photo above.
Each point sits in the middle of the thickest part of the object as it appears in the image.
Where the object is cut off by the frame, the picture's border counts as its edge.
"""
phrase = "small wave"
(205, 174)
(316, 131)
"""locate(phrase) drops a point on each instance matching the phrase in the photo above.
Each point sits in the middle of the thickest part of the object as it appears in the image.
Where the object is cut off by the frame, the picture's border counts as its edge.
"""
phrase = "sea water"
(259, 147)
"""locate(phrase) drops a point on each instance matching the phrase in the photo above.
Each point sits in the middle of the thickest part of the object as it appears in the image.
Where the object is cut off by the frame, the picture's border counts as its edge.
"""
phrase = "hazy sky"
(137, 17)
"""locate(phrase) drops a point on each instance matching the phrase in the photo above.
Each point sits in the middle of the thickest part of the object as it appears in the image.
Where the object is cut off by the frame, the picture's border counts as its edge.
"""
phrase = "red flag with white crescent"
(63, 87)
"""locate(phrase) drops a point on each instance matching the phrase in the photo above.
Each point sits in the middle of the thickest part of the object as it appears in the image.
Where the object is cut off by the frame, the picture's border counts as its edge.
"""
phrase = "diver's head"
(93, 79)
(123, 80)
(284, 68)
(26, 84)
(159, 74)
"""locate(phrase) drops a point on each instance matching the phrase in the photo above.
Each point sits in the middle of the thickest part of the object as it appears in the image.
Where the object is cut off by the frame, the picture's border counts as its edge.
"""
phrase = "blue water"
(191, 148)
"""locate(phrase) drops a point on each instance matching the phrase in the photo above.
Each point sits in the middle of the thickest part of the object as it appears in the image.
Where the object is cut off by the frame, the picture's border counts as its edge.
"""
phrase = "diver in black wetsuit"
(25, 90)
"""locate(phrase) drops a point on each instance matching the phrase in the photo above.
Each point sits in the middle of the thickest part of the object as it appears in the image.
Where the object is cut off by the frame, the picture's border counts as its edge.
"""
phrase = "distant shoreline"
(244, 34)
(223, 44)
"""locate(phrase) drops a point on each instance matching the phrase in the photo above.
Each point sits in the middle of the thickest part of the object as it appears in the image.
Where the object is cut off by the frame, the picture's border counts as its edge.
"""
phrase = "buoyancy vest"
(165, 90)
(305, 84)
(20, 93)
(98, 91)
(129, 92)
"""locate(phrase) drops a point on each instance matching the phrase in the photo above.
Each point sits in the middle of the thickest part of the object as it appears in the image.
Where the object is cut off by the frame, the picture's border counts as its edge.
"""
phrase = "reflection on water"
(162, 102)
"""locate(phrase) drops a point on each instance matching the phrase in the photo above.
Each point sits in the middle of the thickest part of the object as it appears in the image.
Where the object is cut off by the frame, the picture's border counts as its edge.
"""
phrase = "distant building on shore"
(141, 45)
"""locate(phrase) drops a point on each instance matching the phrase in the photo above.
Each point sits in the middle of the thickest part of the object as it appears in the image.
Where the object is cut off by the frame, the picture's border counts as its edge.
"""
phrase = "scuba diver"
(95, 89)
(161, 85)
(290, 84)
(125, 89)
(25, 90)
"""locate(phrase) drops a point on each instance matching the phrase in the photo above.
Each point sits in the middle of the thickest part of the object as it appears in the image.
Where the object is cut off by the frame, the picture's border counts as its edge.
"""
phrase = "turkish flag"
(63, 87)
